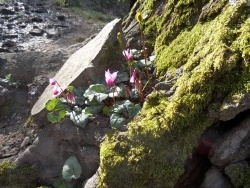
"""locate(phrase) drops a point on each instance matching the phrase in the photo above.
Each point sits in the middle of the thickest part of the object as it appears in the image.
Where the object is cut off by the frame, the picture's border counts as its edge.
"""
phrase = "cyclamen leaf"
(119, 108)
(116, 120)
(79, 120)
(141, 63)
(96, 92)
(115, 92)
(93, 89)
(122, 77)
(133, 110)
(51, 104)
(56, 116)
(93, 109)
(71, 169)
(135, 93)
(106, 110)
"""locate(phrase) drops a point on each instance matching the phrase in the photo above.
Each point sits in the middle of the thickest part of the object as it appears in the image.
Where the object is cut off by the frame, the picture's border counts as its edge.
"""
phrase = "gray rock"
(234, 146)
(7, 11)
(215, 179)
(25, 142)
(9, 43)
(55, 143)
(36, 32)
(52, 33)
(37, 19)
(10, 36)
(164, 86)
(83, 66)
(4, 95)
(239, 174)
(231, 108)
(93, 181)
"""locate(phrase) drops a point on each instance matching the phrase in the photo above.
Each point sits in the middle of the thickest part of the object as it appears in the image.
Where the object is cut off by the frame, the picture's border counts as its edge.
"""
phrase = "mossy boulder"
(12, 175)
(210, 40)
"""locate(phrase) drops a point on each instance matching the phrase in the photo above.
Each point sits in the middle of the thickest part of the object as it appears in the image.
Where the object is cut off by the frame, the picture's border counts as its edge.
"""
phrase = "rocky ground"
(36, 38)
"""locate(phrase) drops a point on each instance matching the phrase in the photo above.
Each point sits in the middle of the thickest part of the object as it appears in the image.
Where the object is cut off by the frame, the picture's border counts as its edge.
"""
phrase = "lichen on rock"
(210, 40)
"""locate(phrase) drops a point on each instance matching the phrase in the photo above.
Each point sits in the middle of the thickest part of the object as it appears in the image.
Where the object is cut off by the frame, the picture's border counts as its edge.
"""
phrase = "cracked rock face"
(234, 147)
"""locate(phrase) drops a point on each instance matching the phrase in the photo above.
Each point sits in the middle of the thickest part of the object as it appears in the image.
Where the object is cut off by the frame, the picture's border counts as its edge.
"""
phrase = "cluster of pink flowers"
(57, 90)
(111, 77)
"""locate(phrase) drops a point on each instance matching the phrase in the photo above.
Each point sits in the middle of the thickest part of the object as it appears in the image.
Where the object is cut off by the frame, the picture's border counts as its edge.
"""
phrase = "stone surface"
(93, 181)
(215, 179)
(86, 63)
(36, 32)
(231, 109)
(4, 95)
(236, 173)
(53, 144)
(234, 146)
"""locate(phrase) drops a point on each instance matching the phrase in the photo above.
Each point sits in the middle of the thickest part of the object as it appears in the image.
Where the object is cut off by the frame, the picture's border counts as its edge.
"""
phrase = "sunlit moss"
(12, 175)
(214, 53)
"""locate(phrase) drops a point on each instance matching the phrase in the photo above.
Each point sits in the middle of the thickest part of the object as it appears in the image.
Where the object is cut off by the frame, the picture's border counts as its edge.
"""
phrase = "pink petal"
(56, 90)
(52, 81)
(71, 97)
(133, 77)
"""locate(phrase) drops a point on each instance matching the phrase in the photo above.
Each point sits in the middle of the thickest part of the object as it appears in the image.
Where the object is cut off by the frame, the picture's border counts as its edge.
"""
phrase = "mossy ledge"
(210, 39)
(12, 175)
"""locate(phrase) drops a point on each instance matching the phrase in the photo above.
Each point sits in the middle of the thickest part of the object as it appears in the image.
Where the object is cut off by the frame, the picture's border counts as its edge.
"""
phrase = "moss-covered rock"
(12, 175)
(210, 39)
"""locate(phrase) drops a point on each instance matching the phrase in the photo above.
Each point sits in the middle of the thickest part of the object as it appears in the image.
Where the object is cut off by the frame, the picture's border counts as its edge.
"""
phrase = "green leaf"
(71, 169)
(135, 93)
(122, 77)
(93, 109)
(79, 120)
(96, 88)
(78, 92)
(106, 110)
(136, 53)
(116, 120)
(152, 58)
(96, 92)
(61, 105)
(133, 110)
(119, 107)
(70, 88)
(56, 116)
(115, 92)
(51, 104)
(141, 63)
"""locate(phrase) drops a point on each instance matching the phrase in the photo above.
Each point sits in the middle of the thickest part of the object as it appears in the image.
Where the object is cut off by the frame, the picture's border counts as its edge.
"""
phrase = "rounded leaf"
(51, 104)
(71, 169)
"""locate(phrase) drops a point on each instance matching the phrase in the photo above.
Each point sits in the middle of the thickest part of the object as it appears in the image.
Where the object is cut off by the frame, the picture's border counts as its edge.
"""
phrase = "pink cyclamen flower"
(71, 98)
(52, 81)
(110, 78)
(128, 55)
(133, 77)
(56, 90)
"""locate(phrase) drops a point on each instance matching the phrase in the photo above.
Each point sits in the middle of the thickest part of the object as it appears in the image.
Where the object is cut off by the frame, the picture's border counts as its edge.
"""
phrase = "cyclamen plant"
(120, 98)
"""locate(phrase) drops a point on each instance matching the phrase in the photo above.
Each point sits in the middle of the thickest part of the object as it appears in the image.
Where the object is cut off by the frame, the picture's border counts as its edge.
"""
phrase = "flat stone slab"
(86, 63)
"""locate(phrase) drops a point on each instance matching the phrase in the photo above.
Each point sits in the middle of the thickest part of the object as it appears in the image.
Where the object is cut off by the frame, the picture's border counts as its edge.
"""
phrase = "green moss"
(239, 174)
(17, 176)
(214, 54)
